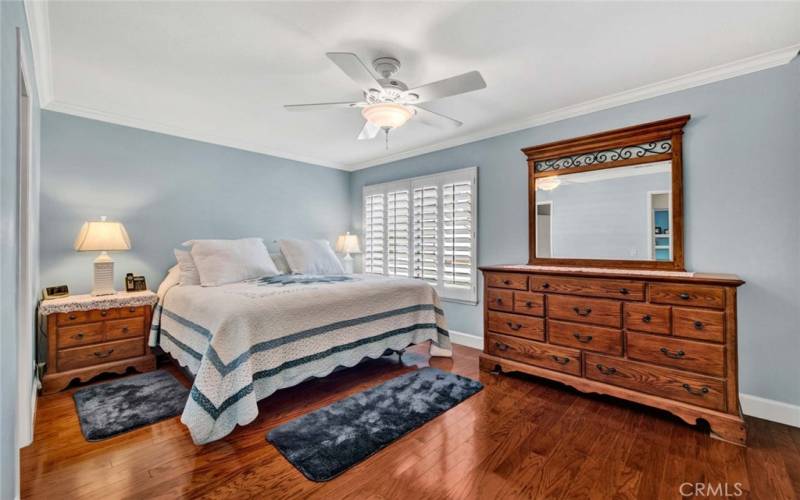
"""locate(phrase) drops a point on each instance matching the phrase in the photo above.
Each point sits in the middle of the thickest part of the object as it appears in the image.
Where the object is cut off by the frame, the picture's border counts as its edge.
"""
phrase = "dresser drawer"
(72, 318)
(699, 324)
(132, 311)
(535, 353)
(688, 295)
(78, 335)
(517, 325)
(529, 303)
(618, 289)
(79, 357)
(684, 354)
(647, 318)
(124, 328)
(500, 300)
(594, 311)
(507, 280)
(673, 384)
(591, 338)
(103, 314)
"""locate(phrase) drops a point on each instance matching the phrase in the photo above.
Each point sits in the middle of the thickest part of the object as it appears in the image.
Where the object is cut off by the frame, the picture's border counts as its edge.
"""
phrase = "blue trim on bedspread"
(214, 412)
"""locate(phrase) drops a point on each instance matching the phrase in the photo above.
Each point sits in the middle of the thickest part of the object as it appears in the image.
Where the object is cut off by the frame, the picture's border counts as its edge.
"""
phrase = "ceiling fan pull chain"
(386, 130)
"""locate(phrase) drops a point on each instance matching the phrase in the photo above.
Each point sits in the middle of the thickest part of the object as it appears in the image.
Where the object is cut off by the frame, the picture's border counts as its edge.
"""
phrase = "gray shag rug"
(111, 408)
(324, 443)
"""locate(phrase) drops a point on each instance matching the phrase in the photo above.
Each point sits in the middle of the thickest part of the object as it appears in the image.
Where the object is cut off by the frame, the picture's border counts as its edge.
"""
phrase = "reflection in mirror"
(622, 213)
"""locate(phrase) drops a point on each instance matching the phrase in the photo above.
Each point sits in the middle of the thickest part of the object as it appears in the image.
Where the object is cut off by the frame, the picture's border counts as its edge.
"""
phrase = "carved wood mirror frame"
(649, 142)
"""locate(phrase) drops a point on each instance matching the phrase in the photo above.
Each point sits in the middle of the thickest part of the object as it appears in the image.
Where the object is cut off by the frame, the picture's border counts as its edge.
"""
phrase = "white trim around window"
(425, 228)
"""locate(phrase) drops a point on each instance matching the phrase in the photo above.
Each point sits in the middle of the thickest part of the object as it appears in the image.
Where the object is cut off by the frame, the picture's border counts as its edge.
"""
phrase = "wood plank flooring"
(520, 437)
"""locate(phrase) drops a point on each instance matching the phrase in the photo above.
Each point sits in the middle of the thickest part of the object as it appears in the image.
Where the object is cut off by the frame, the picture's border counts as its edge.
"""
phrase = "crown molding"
(39, 28)
(717, 73)
(168, 129)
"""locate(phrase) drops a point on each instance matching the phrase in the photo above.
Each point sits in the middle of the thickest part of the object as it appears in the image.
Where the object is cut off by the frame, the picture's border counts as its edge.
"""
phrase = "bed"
(244, 341)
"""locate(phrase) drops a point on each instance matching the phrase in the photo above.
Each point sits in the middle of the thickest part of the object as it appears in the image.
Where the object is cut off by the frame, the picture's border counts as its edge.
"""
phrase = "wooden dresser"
(87, 336)
(665, 340)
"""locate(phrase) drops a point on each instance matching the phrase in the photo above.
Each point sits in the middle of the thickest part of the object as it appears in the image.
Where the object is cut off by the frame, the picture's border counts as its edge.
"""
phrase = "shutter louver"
(457, 234)
(397, 233)
(426, 219)
(373, 234)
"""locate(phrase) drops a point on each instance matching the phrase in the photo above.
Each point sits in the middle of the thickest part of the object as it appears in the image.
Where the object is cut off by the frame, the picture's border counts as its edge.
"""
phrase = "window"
(425, 228)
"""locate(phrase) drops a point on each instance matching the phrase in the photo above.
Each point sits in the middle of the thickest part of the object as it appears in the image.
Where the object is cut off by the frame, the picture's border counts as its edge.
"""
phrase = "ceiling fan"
(389, 103)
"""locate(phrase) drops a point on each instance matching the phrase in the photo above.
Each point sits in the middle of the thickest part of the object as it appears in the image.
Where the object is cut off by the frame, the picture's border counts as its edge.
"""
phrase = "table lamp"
(347, 244)
(102, 236)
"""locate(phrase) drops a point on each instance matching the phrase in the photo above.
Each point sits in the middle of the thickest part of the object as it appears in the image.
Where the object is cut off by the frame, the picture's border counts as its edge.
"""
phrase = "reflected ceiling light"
(547, 183)
(387, 114)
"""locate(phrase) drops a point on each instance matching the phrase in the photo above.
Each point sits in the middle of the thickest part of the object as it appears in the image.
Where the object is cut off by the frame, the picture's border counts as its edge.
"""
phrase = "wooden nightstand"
(87, 336)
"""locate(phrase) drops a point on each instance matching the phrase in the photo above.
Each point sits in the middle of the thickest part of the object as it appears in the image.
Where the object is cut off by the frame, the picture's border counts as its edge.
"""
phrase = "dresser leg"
(489, 365)
(731, 430)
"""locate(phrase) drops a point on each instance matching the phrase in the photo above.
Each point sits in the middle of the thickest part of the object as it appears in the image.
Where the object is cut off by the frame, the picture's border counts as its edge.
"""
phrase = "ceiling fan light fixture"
(387, 114)
(547, 183)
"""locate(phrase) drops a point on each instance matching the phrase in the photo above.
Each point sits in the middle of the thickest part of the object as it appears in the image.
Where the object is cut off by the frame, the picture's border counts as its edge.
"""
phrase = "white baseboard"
(769, 409)
(466, 339)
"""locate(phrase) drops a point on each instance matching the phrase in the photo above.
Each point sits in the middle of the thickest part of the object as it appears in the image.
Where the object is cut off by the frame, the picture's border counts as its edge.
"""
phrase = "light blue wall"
(742, 200)
(12, 16)
(167, 190)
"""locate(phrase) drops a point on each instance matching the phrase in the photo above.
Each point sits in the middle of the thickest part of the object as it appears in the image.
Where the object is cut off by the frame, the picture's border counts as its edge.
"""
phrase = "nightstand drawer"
(132, 312)
(103, 314)
(72, 318)
(78, 335)
(124, 328)
(79, 357)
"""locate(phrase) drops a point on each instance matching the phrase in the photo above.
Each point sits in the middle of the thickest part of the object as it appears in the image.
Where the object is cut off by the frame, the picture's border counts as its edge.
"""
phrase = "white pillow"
(230, 261)
(311, 257)
(280, 263)
(189, 274)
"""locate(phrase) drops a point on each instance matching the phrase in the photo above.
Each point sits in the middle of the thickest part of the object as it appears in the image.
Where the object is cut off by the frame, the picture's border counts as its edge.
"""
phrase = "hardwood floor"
(519, 437)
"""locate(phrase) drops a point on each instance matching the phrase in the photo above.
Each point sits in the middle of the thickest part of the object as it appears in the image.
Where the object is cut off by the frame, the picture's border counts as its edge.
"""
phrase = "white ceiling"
(220, 72)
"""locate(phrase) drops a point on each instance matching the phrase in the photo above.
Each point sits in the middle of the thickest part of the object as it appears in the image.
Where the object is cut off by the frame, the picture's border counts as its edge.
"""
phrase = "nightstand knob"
(132, 309)
(72, 316)
(104, 313)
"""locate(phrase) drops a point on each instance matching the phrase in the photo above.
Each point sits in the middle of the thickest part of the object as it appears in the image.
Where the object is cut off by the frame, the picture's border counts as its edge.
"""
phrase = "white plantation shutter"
(398, 222)
(425, 227)
(457, 238)
(373, 234)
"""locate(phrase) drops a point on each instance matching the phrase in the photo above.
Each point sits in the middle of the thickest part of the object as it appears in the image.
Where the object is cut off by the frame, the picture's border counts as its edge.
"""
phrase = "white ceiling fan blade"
(449, 86)
(323, 106)
(355, 69)
(369, 131)
(434, 119)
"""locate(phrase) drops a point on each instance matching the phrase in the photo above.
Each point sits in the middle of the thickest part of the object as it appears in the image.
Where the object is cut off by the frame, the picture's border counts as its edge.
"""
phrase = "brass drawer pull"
(584, 312)
(582, 338)
(606, 370)
(699, 392)
(673, 355)
(104, 354)
(513, 326)
(501, 346)
(647, 318)
(561, 360)
(684, 296)
(624, 291)
(698, 325)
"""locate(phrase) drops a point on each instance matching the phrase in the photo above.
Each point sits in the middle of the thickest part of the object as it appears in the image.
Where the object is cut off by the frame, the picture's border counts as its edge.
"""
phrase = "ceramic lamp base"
(103, 275)
(347, 263)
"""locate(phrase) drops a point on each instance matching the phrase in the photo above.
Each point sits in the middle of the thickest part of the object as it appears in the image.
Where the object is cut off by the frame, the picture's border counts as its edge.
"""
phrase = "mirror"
(613, 199)
(617, 213)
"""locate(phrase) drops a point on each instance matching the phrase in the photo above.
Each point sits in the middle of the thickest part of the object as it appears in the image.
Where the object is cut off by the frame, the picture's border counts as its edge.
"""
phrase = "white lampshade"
(347, 243)
(103, 236)
(387, 114)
